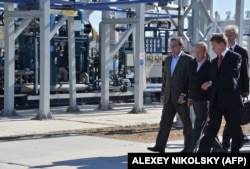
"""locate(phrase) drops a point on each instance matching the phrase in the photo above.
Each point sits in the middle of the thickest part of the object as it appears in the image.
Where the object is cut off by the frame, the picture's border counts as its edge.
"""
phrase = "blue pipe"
(101, 6)
(102, 3)
(155, 13)
(120, 2)
(14, 1)
(98, 8)
(161, 17)
(127, 2)
(62, 2)
(81, 5)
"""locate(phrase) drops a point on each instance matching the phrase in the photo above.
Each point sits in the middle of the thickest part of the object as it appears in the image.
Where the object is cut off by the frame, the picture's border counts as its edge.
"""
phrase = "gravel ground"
(144, 133)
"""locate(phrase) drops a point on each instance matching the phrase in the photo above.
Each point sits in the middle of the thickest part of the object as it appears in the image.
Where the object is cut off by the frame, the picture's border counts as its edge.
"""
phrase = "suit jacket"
(196, 79)
(244, 74)
(225, 93)
(173, 86)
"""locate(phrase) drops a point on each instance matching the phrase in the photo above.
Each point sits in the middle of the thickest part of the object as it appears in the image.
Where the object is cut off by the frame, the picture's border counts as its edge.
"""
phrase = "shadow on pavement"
(91, 163)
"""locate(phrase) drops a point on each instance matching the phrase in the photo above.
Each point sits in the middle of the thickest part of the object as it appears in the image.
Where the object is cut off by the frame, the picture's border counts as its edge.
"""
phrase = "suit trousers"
(201, 114)
(168, 113)
(232, 119)
(226, 137)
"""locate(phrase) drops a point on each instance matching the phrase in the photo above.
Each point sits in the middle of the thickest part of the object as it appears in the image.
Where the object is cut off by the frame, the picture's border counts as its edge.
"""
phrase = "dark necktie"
(231, 48)
(219, 61)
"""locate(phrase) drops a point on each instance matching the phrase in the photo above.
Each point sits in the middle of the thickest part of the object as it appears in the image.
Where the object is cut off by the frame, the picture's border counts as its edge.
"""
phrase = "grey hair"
(232, 28)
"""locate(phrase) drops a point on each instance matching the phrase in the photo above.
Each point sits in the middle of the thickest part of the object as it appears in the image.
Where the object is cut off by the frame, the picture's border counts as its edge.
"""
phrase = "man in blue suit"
(224, 93)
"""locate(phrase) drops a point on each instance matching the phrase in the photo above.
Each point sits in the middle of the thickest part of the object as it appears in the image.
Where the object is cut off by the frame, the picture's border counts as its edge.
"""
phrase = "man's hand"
(206, 85)
(181, 100)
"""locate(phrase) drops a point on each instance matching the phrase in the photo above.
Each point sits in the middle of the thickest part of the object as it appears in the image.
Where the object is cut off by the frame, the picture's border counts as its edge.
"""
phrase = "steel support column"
(72, 66)
(44, 104)
(139, 60)
(105, 58)
(9, 63)
(239, 18)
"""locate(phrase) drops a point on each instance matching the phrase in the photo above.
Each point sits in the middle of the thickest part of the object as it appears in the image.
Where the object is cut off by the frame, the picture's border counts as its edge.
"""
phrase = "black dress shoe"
(186, 150)
(219, 150)
(157, 149)
(244, 141)
(183, 151)
(225, 149)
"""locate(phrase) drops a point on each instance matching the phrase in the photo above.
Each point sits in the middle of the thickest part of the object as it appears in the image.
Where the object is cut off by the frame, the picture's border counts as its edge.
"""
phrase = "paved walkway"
(88, 117)
(74, 151)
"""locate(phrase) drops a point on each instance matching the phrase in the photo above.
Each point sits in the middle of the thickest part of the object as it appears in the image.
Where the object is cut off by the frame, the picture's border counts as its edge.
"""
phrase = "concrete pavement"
(73, 151)
(88, 117)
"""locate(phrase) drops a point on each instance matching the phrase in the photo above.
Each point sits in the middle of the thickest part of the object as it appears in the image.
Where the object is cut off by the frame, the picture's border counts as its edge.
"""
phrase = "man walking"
(175, 79)
(225, 97)
(232, 33)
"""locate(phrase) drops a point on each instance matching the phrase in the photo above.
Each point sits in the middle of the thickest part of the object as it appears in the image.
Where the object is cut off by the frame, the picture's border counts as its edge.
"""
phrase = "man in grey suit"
(175, 79)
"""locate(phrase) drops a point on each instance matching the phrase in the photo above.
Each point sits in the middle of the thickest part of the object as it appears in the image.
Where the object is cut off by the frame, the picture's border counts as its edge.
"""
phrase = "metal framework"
(137, 28)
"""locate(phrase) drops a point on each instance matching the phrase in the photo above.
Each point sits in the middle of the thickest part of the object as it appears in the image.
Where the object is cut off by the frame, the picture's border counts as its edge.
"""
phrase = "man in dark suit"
(232, 33)
(198, 73)
(173, 81)
(225, 97)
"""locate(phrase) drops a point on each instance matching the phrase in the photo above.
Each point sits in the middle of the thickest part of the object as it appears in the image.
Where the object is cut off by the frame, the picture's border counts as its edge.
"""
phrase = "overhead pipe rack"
(98, 6)
(61, 4)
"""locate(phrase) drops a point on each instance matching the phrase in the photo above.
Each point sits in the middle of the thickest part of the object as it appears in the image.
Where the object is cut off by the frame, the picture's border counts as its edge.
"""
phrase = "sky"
(218, 5)
(228, 5)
